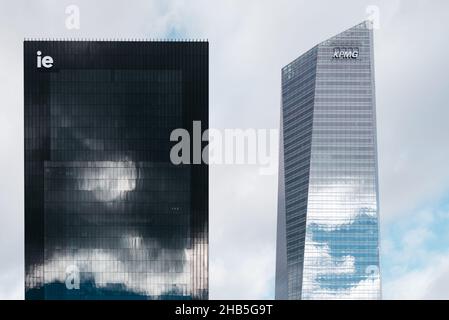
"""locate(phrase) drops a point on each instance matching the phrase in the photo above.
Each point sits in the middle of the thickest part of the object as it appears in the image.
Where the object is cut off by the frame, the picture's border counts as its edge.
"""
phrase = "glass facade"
(107, 216)
(328, 227)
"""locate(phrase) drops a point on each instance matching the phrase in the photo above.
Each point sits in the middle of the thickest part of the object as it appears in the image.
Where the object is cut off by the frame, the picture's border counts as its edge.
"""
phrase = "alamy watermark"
(250, 146)
(373, 15)
(72, 277)
(72, 20)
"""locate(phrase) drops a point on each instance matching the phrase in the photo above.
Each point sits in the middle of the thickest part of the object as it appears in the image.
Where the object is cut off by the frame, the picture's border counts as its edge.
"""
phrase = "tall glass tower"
(107, 215)
(328, 207)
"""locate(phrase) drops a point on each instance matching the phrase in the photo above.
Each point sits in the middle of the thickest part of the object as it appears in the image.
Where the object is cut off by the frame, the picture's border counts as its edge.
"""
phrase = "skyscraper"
(328, 227)
(107, 215)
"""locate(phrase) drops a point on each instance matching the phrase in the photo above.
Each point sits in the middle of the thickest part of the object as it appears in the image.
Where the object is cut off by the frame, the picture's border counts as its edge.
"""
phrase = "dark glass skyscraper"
(107, 215)
(328, 227)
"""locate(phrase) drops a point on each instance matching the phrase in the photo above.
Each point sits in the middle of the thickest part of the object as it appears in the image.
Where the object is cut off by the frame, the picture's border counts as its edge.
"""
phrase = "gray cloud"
(249, 42)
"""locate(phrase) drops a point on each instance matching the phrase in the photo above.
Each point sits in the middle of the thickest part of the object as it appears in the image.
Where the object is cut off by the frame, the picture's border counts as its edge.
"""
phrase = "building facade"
(107, 215)
(328, 207)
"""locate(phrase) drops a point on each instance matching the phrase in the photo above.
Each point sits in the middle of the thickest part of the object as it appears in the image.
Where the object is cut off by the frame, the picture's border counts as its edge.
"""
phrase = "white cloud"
(248, 274)
(100, 262)
(242, 242)
(416, 237)
(416, 253)
(412, 117)
(249, 42)
(11, 284)
(430, 282)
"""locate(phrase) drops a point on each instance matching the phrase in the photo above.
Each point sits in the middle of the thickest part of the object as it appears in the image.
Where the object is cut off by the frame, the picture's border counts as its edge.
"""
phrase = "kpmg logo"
(45, 61)
(346, 53)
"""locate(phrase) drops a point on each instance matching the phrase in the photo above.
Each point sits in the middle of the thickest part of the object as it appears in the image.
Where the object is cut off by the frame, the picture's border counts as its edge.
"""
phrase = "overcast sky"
(249, 43)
